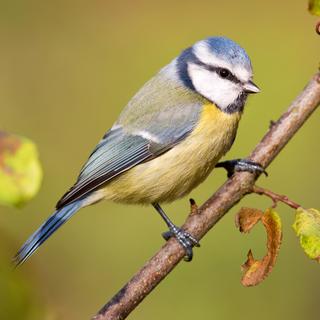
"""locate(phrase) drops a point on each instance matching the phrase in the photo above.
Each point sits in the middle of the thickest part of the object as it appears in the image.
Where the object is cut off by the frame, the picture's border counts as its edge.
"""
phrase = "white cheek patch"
(205, 55)
(220, 91)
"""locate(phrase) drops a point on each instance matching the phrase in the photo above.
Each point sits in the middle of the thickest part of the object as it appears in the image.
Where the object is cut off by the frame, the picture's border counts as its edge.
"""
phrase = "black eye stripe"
(230, 76)
(218, 70)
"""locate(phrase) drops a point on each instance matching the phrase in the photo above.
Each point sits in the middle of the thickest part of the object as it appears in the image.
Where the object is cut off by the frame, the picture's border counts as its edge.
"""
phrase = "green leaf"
(20, 170)
(307, 228)
(314, 7)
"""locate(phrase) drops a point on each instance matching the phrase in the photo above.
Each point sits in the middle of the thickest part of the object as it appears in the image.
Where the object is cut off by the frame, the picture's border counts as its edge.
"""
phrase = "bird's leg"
(184, 238)
(241, 165)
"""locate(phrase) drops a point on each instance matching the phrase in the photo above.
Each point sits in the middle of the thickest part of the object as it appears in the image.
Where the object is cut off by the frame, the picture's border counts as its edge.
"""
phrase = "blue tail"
(46, 230)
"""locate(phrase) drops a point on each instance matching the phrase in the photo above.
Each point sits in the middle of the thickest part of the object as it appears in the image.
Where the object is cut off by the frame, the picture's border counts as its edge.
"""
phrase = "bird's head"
(220, 70)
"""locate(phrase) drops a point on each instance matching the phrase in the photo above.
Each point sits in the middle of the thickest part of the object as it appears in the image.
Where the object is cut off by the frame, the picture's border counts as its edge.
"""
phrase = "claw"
(189, 254)
(241, 165)
(184, 238)
(167, 235)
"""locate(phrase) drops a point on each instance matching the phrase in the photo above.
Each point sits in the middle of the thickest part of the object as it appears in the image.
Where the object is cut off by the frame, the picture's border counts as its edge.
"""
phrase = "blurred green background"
(67, 68)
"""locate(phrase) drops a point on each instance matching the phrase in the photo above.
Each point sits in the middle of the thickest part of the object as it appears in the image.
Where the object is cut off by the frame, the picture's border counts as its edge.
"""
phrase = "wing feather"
(114, 155)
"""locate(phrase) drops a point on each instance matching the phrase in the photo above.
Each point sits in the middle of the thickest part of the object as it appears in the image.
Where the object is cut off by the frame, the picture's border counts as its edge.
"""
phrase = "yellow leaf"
(307, 228)
(20, 170)
(314, 7)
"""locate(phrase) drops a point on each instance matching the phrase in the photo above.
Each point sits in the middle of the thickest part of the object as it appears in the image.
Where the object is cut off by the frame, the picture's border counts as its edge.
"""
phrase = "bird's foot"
(184, 238)
(235, 165)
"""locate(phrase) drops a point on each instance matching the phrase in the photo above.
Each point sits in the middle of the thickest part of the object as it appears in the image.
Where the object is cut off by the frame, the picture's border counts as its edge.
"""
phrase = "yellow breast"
(176, 172)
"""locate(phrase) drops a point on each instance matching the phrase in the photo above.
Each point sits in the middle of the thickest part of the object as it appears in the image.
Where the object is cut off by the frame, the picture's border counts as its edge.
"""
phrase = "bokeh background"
(67, 68)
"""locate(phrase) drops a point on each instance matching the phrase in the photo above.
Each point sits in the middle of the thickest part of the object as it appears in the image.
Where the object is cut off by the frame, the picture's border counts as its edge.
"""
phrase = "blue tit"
(167, 139)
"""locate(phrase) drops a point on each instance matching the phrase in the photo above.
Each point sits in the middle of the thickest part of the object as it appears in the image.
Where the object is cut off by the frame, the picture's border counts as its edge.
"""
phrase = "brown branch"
(158, 267)
(275, 197)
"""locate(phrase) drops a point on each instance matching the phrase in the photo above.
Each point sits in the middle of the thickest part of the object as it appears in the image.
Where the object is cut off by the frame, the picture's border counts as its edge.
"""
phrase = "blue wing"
(116, 153)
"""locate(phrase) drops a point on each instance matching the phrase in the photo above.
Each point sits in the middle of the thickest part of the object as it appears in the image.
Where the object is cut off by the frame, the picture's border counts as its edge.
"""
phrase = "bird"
(167, 139)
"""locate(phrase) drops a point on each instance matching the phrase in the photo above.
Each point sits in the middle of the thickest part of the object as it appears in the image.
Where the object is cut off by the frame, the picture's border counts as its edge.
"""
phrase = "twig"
(158, 267)
(275, 197)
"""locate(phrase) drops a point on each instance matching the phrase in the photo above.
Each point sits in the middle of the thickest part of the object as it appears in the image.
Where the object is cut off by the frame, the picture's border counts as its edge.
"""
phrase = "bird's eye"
(224, 73)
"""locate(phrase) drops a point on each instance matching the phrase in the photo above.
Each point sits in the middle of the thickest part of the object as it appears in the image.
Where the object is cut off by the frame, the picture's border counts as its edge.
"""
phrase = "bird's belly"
(176, 172)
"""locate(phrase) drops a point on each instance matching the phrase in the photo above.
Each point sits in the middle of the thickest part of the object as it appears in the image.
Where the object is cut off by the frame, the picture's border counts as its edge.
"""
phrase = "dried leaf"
(20, 170)
(247, 218)
(256, 271)
(251, 266)
(307, 228)
(314, 7)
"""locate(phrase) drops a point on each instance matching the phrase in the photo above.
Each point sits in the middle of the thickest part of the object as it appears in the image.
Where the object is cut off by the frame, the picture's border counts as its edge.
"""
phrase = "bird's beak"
(250, 87)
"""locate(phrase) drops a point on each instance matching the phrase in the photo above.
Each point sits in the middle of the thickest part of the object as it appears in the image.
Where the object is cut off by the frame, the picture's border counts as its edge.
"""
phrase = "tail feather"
(55, 221)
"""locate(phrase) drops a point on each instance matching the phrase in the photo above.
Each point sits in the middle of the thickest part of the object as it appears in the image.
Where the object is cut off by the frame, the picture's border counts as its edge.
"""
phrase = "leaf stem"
(275, 197)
